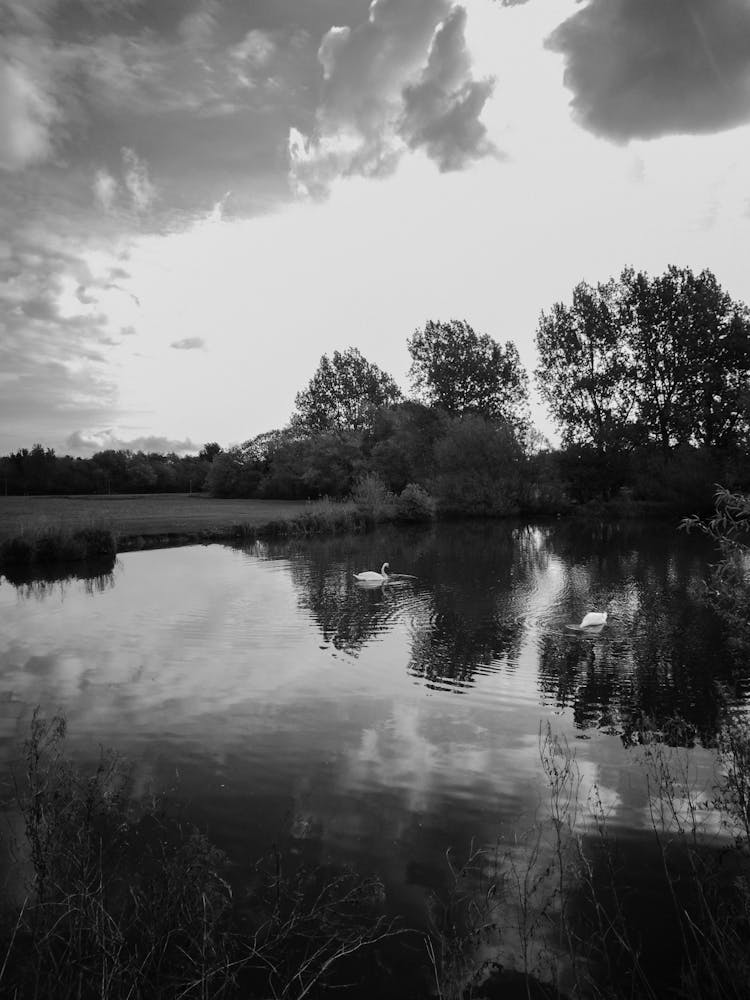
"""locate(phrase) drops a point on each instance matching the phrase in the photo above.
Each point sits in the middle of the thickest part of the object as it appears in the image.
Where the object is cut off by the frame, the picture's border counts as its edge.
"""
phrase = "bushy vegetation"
(414, 504)
(50, 545)
(124, 898)
(728, 587)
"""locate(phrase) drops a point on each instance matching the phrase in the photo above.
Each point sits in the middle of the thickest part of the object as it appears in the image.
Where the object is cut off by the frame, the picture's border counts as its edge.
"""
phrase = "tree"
(478, 468)
(691, 349)
(461, 371)
(661, 360)
(343, 394)
(209, 451)
(585, 373)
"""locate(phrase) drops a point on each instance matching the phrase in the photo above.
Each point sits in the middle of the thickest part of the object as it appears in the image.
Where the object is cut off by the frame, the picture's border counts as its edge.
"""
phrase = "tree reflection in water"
(488, 594)
(96, 576)
(663, 665)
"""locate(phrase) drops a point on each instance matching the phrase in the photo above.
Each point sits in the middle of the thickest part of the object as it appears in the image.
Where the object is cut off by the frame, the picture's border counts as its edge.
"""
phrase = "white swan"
(369, 576)
(594, 618)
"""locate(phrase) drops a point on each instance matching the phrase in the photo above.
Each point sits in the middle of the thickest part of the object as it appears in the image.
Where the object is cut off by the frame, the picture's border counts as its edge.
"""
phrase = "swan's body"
(369, 576)
(594, 618)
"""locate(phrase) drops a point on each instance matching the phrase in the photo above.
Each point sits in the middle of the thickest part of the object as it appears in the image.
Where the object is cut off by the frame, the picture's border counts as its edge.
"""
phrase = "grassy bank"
(140, 515)
(39, 531)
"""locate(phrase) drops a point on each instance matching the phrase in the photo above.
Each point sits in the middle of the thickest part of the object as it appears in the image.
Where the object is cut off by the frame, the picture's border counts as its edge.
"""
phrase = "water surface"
(283, 703)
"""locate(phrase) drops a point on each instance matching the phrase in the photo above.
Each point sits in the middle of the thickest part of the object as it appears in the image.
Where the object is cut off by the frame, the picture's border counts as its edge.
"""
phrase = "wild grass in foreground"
(124, 900)
(564, 908)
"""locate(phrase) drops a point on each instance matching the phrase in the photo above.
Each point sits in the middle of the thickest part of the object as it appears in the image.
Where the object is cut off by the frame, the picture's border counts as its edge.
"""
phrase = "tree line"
(39, 470)
(645, 377)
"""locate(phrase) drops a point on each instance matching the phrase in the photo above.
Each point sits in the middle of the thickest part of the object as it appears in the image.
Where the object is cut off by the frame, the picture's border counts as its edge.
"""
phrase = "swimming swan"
(371, 577)
(594, 618)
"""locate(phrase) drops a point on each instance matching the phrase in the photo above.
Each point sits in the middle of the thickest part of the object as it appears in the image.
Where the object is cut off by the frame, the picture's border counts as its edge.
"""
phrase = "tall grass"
(555, 909)
(123, 900)
(49, 545)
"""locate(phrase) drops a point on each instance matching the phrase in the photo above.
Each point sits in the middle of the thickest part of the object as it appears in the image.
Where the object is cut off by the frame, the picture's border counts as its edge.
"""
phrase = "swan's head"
(384, 569)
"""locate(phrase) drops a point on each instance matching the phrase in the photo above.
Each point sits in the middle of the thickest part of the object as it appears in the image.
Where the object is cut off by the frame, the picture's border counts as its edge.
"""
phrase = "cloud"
(90, 441)
(648, 68)
(53, 336)
(133, 192)
(441, 110)
(136, 180)
(29, 113)
(401, 80)
(105, 189)
(189, 344)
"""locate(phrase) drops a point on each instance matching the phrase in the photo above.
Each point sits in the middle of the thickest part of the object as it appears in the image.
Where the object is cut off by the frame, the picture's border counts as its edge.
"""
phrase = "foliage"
(464, 372)
(478, 469)
(691, 348)
(642, 360)
(373, 499)
(343, 394)
(41, 471)
(728, 587)
(585, 374)
(231, 475)
(48, 546)
(209, 451)
(414, 504)
(402, 443)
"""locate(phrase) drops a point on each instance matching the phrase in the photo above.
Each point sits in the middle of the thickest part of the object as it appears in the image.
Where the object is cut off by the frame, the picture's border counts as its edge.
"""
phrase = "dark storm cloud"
(442, 109)
(646, 68)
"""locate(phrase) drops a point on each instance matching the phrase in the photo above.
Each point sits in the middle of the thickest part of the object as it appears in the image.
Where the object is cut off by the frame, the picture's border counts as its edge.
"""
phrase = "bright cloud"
(402, 79)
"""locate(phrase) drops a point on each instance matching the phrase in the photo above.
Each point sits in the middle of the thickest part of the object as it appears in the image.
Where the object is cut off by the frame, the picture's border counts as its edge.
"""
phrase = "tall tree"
(461, 371)
(585, 373)
(691, 348)
(664, 360)
(343, 394)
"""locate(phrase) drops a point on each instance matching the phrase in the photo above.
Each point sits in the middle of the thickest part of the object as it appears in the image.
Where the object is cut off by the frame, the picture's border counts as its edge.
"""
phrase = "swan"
(369, 576)
(594, 618)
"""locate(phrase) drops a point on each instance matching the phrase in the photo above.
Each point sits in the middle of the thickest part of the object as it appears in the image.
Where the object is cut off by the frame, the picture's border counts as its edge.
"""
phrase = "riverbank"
(145, 520)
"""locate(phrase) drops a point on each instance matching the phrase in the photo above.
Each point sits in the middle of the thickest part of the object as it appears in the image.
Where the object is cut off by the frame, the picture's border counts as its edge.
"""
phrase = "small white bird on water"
(369, 576)
(594, 618)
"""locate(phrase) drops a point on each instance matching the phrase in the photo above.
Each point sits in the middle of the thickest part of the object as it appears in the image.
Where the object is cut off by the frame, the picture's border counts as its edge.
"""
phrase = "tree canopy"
(586, 373)
(461, 371)
(638, 360)
(343, 394)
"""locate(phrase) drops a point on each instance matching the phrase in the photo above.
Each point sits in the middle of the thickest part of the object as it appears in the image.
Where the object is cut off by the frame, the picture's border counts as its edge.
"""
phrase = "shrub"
(49, 546)
(373, 499)
(414, 504)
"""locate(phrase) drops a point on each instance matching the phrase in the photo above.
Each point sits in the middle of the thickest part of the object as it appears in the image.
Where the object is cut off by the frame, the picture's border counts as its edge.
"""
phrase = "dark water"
(379, 727)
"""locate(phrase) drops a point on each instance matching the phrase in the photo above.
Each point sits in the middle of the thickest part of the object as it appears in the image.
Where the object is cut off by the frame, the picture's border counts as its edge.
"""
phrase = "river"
(282, 703)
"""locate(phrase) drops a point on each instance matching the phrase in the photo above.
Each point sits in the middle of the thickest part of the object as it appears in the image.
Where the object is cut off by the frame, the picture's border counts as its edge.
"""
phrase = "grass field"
(132, 516)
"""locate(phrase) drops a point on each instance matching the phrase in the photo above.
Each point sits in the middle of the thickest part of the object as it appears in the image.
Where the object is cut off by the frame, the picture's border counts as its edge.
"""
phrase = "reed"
(49, 545)
(126, 900)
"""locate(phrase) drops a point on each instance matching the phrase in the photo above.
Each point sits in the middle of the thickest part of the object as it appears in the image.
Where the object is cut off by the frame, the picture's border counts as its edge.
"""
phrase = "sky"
(200, 198)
